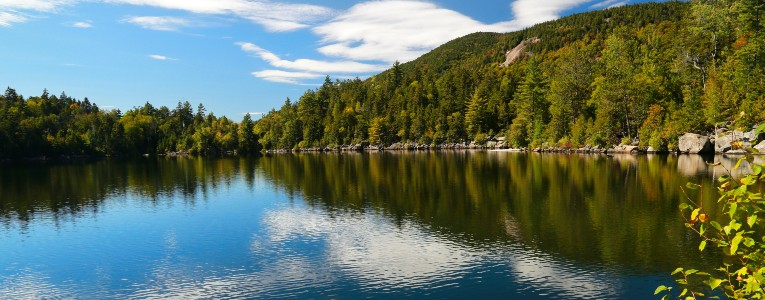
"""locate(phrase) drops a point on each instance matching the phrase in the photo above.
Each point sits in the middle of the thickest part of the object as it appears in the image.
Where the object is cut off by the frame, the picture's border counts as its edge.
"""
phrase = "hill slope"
(648, 72)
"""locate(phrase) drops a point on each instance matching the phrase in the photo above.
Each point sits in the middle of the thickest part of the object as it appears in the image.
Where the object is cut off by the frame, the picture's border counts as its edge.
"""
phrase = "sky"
(234, 56)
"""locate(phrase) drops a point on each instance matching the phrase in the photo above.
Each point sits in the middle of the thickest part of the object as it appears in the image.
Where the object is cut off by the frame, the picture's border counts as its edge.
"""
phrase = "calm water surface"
(379, 225)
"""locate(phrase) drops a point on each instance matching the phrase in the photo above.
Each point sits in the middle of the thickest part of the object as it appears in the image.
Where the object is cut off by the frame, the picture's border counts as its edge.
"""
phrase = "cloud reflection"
(28, 284)
(375, 250)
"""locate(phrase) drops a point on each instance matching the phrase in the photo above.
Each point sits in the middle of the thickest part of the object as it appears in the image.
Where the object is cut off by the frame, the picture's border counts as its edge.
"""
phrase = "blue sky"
(234, 56)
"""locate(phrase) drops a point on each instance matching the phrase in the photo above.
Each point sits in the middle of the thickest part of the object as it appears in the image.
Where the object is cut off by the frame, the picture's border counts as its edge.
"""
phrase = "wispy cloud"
(160, 57)
(36, 5)
(82, 25)
(310, 65)
(286, 76)
(274, 16)
(530, 12)
(158, 23)
(609, 4)
(12, 11)
(8, 18)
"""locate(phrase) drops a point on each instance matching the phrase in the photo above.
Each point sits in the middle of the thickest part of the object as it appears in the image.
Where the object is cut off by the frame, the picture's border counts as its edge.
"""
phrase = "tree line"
(644, 73)
(51, 126)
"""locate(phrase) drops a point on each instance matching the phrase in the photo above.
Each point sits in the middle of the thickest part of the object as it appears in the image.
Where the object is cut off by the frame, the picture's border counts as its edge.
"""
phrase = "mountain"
(644, 73)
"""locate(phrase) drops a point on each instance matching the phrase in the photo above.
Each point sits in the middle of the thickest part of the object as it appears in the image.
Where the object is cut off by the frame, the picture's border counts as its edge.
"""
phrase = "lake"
(354, 225)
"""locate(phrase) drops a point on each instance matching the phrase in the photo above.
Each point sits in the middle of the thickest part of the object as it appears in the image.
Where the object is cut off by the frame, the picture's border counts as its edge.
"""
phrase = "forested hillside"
(51, 126)
(646, 72)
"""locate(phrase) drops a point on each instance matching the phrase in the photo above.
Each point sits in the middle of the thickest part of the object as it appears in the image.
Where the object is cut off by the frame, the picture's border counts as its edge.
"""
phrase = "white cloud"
(158, 23)
(8, 19)
(285, 76)
(36, 5)
(530, 12)
(12, 11)
(82, 25)
(396, 30)
(608, 4)
(160, 57)
(274, 16)
(310, 65)
(617, 4)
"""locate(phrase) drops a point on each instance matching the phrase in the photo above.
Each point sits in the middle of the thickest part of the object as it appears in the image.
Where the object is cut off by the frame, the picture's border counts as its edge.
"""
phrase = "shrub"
(741, 240)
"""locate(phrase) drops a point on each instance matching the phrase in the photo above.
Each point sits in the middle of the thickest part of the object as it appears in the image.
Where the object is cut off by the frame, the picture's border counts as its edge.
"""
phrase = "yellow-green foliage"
(735, 232)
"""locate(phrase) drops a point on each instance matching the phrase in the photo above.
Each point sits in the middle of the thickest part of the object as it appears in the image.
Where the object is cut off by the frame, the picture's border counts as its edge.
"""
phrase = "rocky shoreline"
(721, 142)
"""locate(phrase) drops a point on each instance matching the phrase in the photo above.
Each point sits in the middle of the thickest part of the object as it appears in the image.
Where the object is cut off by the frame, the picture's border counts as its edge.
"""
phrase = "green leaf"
(684, 206)
(715, 225)
(749, 180)
(757, 169)
(749, 242)
(760, 129)
(677, 271)
(702, 245)
(723, 178)
(733, 208)
(660, 289)
(750, 220)
(713, 283)
(735, 225)
(738, 163)
(734, 244)
(692, 185)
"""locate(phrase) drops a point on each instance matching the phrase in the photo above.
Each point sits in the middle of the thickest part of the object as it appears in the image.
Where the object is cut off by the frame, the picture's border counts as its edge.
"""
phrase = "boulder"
(695, 144)
(750, 136)
(623, 149)
(736, 152)
(760, 147)
(723, 141)
(395, 146)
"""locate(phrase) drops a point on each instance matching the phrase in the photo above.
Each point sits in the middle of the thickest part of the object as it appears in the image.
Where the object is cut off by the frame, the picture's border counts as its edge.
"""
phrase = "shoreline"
(609, 151)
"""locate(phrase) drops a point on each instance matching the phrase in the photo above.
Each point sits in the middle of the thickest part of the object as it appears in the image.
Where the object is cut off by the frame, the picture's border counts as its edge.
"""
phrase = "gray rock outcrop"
(695, 144)
(624, 149)
(760, 147)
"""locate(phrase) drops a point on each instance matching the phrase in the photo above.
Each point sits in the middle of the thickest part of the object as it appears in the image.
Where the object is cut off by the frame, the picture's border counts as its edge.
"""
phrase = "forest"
(49, 126)
(643, 73)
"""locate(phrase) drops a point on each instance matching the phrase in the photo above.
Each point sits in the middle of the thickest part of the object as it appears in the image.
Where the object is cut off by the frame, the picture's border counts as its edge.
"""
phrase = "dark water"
(404, 225)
